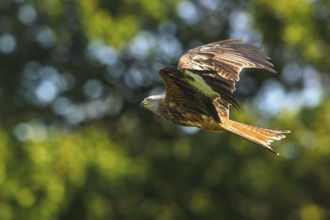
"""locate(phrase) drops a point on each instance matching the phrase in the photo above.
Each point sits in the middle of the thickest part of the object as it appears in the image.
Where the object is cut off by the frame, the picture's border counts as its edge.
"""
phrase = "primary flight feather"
(199, 91)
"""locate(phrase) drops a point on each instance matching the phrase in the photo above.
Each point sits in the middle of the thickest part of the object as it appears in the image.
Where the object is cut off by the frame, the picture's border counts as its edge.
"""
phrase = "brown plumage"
(199, 91)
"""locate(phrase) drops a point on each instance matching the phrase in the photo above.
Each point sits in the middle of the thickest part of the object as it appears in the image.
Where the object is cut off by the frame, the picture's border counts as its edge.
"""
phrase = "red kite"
(199, 91)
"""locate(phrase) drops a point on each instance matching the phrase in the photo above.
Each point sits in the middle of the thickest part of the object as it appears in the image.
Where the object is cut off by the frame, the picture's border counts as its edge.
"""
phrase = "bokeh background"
(74, 143)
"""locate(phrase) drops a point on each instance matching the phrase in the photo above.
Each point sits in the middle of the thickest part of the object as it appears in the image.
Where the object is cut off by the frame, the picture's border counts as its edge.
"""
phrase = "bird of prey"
(199, 91)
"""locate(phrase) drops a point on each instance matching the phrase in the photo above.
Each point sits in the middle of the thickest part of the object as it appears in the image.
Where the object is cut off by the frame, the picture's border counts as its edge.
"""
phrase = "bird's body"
(200, 90)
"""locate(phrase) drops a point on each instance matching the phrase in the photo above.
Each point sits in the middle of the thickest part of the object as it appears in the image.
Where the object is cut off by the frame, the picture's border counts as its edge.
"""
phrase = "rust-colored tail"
(261, 136)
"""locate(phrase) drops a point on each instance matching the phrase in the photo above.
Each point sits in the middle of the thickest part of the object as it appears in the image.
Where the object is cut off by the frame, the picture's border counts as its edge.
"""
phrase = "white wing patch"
(199, 84)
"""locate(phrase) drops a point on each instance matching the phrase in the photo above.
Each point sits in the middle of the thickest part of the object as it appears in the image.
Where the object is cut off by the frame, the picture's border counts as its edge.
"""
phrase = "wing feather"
(224, 60)
(181, 94)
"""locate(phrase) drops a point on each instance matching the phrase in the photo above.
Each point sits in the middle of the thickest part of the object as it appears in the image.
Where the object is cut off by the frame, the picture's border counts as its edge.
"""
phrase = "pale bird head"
(152, 103)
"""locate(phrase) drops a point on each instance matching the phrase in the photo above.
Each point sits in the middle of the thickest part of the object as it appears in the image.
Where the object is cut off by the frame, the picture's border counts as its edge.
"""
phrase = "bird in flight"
(199, 91)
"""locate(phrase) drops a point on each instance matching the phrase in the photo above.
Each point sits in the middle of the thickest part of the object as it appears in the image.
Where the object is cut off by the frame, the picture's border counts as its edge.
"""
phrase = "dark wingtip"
(168, 69)
(272, 150)
(270, 69)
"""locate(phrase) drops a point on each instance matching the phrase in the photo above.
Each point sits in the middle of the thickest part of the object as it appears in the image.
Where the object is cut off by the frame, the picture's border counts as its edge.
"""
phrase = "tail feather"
(261, 136)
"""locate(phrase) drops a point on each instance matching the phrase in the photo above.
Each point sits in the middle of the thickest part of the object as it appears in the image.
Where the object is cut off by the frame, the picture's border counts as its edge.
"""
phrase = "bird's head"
(152, 103)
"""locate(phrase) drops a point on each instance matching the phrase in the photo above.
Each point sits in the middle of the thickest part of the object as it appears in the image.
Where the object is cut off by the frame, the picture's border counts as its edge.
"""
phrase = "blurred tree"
(75, 145)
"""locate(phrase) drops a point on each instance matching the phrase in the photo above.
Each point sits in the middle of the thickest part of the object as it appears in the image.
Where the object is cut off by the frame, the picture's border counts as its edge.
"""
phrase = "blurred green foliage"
(75, 145)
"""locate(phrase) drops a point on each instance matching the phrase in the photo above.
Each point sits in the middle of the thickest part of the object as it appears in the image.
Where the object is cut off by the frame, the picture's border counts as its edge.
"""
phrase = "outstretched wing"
(220, 63)
(181, 95)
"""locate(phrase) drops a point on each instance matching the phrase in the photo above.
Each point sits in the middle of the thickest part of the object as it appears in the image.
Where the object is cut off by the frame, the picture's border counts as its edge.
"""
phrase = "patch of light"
(293, 101)
(210, 4)
(93, 88)
(92, 109)
(75, 115)
(46, 91)
(35, 131)
(312, 96)
(95, 109)
(142, 44)
(170, 46)
(291, 73)
(45, 36)
(62, 106)
(312, 91)
(102, 53)
(50, 85)
(72, 113)
(27, 14)
(270, 98)
(188, 12)
(23, 131)
(7, 43)
(42, 84)
(189, 130)
(134, 78)
(51, 74)
(240, 24)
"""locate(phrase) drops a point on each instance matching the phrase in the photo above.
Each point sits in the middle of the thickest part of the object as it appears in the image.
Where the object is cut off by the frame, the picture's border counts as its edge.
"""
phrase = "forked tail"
(261, 136)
